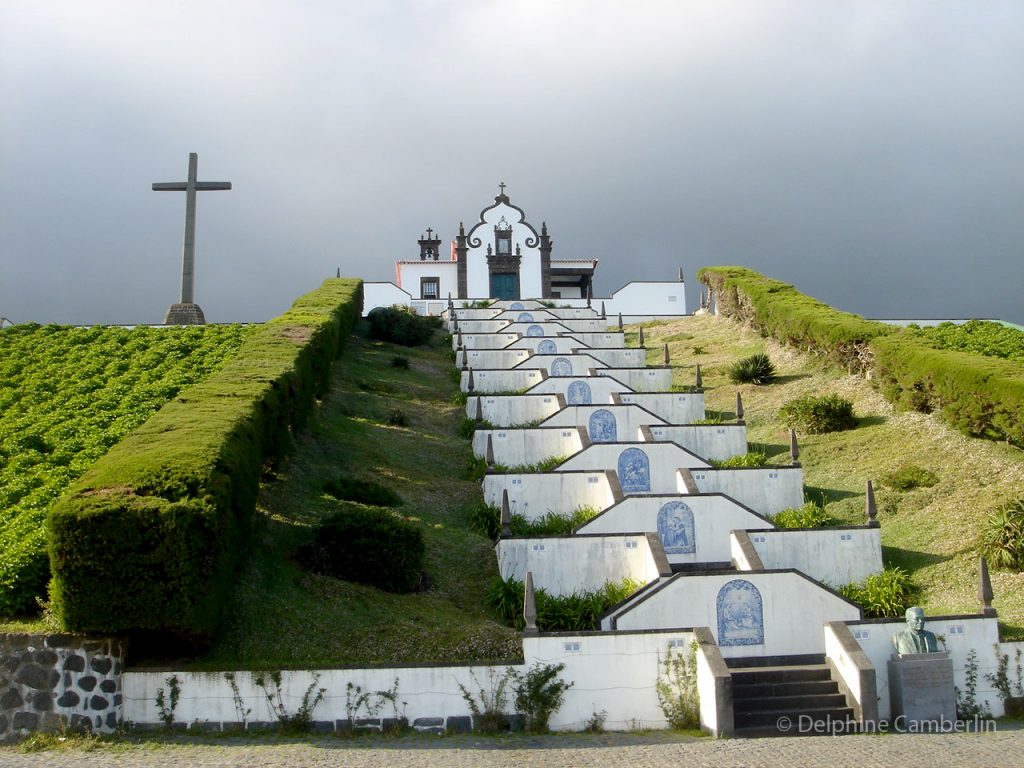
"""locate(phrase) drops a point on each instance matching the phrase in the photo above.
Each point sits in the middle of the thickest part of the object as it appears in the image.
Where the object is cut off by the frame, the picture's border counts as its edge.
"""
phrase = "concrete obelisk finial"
(479, 408)
(698, 379)
(871, 509)
(469, 383)
(794, 448)
(985, 589)
(603, 316)
(666, 355)
(506, 515)
(739, 408)
(620, 321)
(529, 606)
(641, 339)
(489, 451)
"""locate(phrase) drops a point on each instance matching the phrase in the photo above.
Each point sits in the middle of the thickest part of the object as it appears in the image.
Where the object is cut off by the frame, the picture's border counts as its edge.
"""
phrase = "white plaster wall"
(714, 517)
(711, 441)
(482, 326)
(665, 459)
(581, 364)
(767, 490)
(612, 672)
(565, 565)
(485, 340)
(794, 610)
(601, 339)
(575, 313)
(475, 313)
(509, 410)
(833, 556)
(585, 324)
(539, 315)
(961, 635)
(633, 357)
(492, 358)
(844, 663)
(432, 308)
(478, 278)
(383, 295)
(673, 407)
(445, 271)
(641, 379)
(517, 447)
(537, 494)
(628, 418)
(601, 388)
(563, 344)
(495, 380)
(550, 328)
(648, 298)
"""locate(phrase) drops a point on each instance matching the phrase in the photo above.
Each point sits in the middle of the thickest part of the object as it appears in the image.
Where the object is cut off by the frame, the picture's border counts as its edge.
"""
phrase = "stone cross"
(502, 187)
(190, 187)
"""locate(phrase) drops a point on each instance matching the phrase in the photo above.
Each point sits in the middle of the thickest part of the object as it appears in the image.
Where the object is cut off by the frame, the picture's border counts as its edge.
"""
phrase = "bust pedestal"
(184, 314)
(921, 687)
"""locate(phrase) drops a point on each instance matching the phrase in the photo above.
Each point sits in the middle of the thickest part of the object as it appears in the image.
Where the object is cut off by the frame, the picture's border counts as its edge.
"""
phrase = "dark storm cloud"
(870, 153)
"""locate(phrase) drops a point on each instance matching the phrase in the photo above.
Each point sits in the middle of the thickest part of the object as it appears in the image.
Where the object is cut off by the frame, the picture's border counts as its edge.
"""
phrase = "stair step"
(797, 660)
(797, 688)
(788, 674)
(771, 718)
(803, 703)
(694, 568)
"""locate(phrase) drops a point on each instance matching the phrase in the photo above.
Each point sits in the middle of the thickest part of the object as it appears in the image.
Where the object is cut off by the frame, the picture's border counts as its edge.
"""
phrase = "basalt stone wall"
(51, 682)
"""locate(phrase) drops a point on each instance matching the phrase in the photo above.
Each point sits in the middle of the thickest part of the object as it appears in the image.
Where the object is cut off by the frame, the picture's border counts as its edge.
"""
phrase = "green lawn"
(931, 532)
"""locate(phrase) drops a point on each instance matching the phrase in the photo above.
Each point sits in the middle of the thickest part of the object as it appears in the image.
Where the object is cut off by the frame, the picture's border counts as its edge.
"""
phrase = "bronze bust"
(915, 638)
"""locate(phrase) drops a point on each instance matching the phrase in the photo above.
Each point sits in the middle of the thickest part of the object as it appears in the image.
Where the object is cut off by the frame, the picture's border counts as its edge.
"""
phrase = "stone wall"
(51, 682)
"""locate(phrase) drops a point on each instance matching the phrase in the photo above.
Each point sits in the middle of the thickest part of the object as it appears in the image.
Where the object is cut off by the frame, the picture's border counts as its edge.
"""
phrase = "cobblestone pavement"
(1005, 747)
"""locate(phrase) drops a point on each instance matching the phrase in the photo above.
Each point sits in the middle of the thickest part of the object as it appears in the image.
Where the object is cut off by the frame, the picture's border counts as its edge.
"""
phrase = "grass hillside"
(932, 532)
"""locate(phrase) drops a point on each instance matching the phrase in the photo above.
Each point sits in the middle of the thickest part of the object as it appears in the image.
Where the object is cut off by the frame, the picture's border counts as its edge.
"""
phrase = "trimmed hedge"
(782, 312)
(149, 538)
(981, 396)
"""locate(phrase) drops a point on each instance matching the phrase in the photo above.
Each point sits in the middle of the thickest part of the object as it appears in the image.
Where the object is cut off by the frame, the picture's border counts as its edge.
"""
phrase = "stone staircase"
(798, 688)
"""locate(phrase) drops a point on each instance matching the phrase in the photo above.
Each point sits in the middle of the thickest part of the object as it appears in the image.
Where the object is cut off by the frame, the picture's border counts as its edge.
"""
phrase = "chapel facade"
(501, 257)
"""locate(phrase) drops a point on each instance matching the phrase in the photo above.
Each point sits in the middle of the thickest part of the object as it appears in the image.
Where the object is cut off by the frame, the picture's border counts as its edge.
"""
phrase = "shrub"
(578, 612)
(748, 459)
(882, 595)
(486, 520)
(810, 515)
(1002, 537)
(149, 538)
(539, 693)
(397, 418)
(398, 361)
(816, 415)
(677, 691)
(909, 476)
(369, 546)
(466, 428)
(756, 369)
(362, 492)
(400, 325)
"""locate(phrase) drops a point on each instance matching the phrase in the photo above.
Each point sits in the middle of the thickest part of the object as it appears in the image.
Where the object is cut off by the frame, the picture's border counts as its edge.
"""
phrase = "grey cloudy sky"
(869, 152)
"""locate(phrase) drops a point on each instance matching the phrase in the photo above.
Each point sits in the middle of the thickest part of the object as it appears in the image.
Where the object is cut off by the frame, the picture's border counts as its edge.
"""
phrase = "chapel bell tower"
(430, 246)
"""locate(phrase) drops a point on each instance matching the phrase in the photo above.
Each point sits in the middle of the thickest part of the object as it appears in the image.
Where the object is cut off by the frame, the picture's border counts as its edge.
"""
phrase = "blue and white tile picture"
(602, 427)
(561, 366)
(634, 471)
(534, 330)
(517, 305)
(547, 347)
(578, 393)
(740, 614)
(524, 317)
(675, 529)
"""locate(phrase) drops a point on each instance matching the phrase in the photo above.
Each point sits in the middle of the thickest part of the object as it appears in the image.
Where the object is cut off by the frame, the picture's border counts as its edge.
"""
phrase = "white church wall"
(833, 556)
(383, 295)
(563, 565)
(628, 418)
(766, 490)
(534, 495)
(485, 340)
(521, 447)
(640, 379)
(510, 410)
(664, 460)
(960, 635)
(491, 358)
(793, 611)
(673, 407)
(709, 441)
(445, 272)
(714, 516)
(647, 299)
(495, 380)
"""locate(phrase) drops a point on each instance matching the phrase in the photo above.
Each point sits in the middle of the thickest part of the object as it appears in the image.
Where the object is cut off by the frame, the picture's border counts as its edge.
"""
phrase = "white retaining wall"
(628, 418)
(563, 565)
(484, 340)
(794, 609)
(496, 380)
(601, 388)
(640, 379)
(833, 556)
(480, 326)
(581, 364)
(665, 459)
(711, 441)
(492, 358)
(564, 345)
(714, 516)
(518, 447)
(599, 340)
(537, 494)
(633, 357)
(508, 410)
(673, 407)
(767, 490)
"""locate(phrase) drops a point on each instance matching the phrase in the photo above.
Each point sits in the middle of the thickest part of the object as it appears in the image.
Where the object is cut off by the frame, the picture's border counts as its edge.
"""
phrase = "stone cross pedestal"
(186, 311)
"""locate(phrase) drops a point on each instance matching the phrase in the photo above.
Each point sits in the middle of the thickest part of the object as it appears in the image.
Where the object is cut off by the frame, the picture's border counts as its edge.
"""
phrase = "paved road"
(1005, 747)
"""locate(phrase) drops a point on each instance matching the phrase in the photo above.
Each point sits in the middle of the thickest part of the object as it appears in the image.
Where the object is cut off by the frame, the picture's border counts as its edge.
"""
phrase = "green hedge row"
(782, 312)
(149, 538)
(981, 396)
